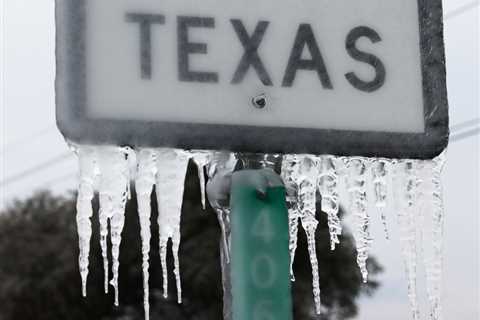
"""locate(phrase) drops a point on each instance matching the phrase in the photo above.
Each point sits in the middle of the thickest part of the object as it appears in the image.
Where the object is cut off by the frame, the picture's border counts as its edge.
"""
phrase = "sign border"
(71, 102)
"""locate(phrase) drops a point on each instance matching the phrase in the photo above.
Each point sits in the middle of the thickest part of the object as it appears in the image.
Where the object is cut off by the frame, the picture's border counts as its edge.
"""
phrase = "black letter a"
(306, 38)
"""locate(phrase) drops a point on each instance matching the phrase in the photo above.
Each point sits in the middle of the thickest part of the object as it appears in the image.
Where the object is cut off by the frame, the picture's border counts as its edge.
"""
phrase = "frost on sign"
(343, 89)
(369, 75)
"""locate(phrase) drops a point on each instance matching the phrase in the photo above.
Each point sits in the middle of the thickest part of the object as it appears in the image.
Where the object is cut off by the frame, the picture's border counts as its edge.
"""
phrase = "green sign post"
(260, 261)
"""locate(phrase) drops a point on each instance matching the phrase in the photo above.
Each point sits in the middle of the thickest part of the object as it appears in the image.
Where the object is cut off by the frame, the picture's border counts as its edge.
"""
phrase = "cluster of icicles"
(412, 187)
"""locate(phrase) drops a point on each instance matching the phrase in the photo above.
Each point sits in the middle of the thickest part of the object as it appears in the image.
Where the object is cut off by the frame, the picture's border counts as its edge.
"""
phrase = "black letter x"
(250, 57)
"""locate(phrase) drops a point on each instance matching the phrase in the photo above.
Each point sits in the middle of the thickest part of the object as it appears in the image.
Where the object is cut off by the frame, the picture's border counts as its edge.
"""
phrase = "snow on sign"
(341, 77)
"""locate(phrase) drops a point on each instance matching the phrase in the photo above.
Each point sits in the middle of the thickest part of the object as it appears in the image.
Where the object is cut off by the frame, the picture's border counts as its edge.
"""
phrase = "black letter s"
(375, 62)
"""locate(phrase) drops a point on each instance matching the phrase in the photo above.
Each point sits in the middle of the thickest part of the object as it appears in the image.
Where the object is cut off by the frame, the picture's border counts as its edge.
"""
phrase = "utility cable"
(37, 168)
(461, 10)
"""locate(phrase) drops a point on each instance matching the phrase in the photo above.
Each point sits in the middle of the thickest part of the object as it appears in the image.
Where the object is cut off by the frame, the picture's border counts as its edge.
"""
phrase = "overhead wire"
(465, 124)
(60, 179)
(461, 10)
(26, 140)
(33, 170)
(464, 135)
(455, 137)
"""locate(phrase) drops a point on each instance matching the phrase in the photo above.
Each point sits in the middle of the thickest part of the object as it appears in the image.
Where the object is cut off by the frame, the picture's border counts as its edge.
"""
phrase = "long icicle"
(117, 222)
(293, 217)
(176, 263)
(307, 188)
(114, 185)
(144, 183)
(328, 187)
(435, 268)
(380, 169)
(357, 168)
(222, 164)
(105, 210)
(163, 246)
(421, 207)
(289, 173)
(86, 189)
(222, 217)
(172, 168)
(406, 193)
(201, 159)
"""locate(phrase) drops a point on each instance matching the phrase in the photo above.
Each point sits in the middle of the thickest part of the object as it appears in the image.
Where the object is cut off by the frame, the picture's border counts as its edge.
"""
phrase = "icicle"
(310, 227)
(104, 214)
(219, 171)
(380, 169)
(163, 263)
(328, 187)
(144, 183)
(223, 217)
(340, 164)
(132, 168)
(293, 217)
(114, 172)
(176, 264)
(290, 169)
(357, 168)
(435, 267)
(88, 173)
(307, 188)
(222, 164)
(300, 175)
(407, 193)
(201, 159)
(172, 168)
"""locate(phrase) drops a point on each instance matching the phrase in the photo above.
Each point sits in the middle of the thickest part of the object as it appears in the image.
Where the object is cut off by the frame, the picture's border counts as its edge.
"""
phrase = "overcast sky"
(30, 141)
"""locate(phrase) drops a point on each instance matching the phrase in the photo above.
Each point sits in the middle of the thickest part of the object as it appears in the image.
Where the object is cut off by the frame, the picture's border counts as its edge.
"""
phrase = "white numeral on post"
(263, 310)
(263, 271)
(263, 228)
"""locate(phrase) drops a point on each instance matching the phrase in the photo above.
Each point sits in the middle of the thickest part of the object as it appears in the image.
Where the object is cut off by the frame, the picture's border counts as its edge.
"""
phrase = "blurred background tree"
(39, 278)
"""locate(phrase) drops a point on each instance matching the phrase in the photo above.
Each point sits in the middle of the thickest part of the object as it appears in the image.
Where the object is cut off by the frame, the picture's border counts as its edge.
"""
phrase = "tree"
(39, 276)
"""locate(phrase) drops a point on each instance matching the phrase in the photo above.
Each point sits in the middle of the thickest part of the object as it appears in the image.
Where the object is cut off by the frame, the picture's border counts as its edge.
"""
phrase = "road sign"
(260, 263)
(308, 76)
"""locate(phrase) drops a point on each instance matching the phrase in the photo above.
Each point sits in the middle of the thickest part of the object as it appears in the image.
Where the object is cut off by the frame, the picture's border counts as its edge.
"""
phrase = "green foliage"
(39, 276)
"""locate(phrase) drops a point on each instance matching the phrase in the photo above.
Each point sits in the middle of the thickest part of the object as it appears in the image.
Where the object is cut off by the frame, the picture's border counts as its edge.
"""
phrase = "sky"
(33, 155)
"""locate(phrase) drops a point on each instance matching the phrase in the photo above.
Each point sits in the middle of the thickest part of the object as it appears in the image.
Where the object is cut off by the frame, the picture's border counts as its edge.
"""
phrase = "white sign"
(251, 66)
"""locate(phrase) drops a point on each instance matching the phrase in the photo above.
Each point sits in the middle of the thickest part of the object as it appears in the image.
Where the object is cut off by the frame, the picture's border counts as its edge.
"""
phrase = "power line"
(465, 124)
(462, 9)
(453, 139)
(50, 183)
(35, 169)
(26, 140)
(464, 135)
(65, 156)
(59, 179)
